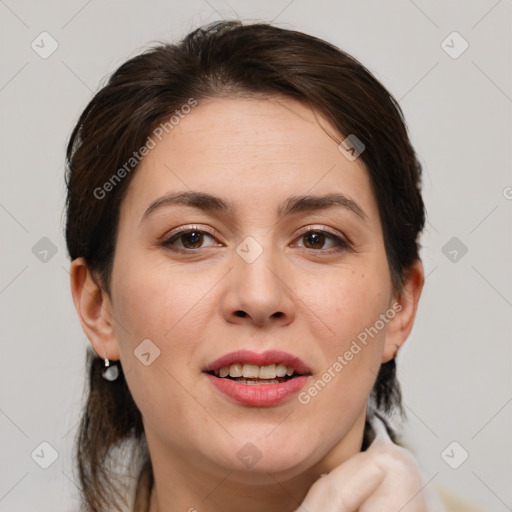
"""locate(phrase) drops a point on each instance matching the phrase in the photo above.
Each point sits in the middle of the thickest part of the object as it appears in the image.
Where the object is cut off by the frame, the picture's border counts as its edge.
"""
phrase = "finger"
(345, 488)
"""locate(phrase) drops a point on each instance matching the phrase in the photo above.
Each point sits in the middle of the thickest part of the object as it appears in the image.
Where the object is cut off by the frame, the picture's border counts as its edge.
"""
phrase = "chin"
(252, 457)
(267, 472)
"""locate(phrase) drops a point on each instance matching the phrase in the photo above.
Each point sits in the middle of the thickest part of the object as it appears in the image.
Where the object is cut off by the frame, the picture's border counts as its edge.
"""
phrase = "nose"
(258, 293)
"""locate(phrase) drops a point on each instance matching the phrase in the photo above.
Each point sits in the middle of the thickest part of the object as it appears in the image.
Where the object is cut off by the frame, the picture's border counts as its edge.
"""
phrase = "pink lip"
(266, 358)
(258, 395)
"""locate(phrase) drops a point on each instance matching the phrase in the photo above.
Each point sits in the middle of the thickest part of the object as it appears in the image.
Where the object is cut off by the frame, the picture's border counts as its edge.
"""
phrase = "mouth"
(253, 374)
(258, 379)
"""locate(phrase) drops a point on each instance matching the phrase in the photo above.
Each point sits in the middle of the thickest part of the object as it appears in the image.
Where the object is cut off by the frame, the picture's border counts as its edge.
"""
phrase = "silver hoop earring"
(110, 373)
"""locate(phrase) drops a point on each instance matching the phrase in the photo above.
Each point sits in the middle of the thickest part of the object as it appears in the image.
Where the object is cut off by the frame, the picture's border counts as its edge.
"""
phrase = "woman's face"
(251, 268)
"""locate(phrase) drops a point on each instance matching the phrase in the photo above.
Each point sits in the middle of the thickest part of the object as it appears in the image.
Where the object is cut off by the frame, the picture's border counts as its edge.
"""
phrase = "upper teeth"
(252, 371)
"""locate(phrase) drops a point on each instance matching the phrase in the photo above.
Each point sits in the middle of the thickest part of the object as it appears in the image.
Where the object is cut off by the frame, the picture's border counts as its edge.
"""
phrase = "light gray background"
(456, 366)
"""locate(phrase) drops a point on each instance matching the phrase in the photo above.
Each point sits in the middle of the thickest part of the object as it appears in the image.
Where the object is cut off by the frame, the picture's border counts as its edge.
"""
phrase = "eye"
(192, 239)
(317, 239)
(189, 240)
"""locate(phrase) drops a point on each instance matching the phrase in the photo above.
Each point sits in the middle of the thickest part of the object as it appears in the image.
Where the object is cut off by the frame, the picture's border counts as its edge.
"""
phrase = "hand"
(384, 478)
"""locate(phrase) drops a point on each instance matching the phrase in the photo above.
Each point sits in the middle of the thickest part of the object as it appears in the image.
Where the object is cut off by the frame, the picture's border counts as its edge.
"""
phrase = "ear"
(405, 306)
(94, 310)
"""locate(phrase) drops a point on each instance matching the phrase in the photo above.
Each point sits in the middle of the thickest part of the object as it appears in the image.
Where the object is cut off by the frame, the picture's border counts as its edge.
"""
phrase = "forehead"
(257, 151)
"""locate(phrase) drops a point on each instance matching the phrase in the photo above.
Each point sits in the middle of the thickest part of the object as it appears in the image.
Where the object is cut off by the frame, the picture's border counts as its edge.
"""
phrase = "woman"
(243, 216)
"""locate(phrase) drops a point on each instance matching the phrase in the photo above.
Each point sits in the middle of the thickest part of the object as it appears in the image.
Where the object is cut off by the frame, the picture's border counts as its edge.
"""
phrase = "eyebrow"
(294, 204)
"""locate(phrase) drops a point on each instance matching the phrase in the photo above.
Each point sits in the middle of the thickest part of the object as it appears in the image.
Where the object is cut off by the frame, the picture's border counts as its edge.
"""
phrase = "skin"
(256, 153)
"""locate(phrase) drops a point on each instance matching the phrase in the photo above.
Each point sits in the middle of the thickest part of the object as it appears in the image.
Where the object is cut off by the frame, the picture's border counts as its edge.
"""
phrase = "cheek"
(351, 356)
(351, 305)
(155, 301)
(346, 302)
(150, 305)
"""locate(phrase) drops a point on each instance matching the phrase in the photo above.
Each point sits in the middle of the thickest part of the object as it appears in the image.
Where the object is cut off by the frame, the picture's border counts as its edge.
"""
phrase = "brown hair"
(221, 59)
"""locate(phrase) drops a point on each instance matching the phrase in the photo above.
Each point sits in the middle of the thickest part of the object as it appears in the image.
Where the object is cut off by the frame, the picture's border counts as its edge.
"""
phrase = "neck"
(182, 485)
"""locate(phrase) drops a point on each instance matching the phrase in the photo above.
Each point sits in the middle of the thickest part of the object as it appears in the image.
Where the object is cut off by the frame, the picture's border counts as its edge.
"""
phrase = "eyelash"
(342, 245)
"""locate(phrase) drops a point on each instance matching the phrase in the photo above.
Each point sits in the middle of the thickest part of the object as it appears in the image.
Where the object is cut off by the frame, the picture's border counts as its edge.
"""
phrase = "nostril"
(279, 314)
(240, 313)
